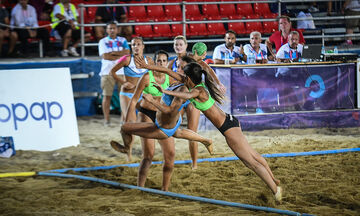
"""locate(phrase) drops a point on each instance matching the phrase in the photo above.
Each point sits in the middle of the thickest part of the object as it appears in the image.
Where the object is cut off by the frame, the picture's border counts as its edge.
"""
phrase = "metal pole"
(279, 12)
(184, 18)
(41, 46)
(82, 30)
(279, 7)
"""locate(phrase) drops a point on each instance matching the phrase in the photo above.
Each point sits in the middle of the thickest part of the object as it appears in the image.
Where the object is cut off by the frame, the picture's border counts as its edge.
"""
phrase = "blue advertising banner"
(267, 89)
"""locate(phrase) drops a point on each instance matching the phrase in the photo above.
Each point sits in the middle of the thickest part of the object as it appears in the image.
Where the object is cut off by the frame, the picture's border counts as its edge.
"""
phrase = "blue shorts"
(184, 105)
(127, 94)
(169, 132)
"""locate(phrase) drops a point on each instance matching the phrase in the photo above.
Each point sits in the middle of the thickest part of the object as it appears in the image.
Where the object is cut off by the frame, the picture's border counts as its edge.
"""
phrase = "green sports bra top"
(150, 89)
(202, 106)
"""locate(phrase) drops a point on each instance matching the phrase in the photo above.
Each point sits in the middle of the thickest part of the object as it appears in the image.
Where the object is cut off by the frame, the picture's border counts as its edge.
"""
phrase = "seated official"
(291, 51)
(279, 38)
(228, 50)
(256, 48)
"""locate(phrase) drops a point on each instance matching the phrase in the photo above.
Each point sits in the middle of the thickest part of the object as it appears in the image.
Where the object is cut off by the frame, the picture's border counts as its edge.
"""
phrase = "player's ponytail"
(194, 71)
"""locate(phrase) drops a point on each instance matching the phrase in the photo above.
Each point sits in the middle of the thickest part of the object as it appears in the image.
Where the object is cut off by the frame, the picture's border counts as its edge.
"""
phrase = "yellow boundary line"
(4, 175)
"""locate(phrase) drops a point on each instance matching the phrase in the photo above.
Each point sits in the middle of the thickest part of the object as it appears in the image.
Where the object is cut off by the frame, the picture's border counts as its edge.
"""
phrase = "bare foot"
(277, 181)
(127, 139)
(194, 166)
(208, 145)
(118, 147)
(278, 195)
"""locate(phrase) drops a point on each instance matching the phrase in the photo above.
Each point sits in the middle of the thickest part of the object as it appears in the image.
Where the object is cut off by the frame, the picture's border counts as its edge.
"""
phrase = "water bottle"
(227, 58)
(251, 58)
(323, 50)
(336, 51)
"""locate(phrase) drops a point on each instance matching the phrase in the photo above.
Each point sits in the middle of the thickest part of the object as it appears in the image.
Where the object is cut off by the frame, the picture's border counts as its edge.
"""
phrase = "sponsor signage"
(37, 108)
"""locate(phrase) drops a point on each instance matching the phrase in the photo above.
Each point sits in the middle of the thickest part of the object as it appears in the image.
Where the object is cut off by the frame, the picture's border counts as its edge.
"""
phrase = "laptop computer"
(311, 51)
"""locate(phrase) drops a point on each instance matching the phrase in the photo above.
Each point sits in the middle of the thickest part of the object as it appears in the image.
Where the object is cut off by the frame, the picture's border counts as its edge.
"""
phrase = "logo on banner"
(320, 81)
(38, 111)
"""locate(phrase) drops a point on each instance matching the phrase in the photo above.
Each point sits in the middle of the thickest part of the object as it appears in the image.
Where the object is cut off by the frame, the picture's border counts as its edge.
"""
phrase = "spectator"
(234, 52)
(43, 8)
(24, 16)
(111, 48)
(351, 8)
(280, 38)
(107, 14)
(4, 31)
(65, 20)
(292, 51)
(256, 48)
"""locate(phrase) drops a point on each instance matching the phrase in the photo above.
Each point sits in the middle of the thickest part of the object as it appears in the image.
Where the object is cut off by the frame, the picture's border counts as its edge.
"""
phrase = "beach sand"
(321, 185)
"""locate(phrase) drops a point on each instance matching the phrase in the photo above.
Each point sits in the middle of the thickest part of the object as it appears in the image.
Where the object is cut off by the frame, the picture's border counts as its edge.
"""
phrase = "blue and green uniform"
(150, 89)
(168, 99)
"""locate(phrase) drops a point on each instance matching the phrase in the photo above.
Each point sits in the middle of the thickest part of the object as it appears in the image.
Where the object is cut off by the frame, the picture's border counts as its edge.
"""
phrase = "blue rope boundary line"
(175, 195)
(291, 154)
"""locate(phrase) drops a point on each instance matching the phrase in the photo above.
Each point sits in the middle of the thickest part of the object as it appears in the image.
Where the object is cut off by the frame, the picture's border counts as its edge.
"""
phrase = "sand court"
(321, 185)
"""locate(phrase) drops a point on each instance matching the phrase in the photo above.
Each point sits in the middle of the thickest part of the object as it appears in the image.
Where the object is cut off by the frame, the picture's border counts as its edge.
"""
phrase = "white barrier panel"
(37, 108)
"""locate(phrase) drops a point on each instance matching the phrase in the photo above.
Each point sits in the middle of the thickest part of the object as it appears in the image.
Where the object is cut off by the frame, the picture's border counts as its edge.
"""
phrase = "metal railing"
(323, 36)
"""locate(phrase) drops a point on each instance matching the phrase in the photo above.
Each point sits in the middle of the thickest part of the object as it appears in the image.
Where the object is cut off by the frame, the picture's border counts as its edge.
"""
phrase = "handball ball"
(200, 48)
